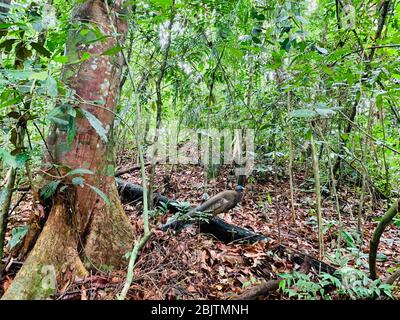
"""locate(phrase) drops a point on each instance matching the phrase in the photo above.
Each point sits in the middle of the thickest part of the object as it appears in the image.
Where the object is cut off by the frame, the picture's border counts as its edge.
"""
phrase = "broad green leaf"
(324, 112)
(40, 49)
(321, 50)
(162, 3)
(49, 189)
(96, 124)
(349, 239)
(112, 51)
(8, 158)
(59, 121)
(61, 59)
(101, 194)
(29, 75)
(301, 19)
(85, 56)
(7, 45)
(38, 75)
(51, 84)
(303, 113)
(21, 158)
(381, 257)
(17, 234)
(79, 171)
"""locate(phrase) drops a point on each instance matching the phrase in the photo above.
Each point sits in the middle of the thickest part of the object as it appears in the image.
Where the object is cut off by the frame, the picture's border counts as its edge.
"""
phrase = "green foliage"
(49, 189)
(182, 206)
(345, 283)
(17, 234)
(79, 171)
(96, 124)
(101, 194)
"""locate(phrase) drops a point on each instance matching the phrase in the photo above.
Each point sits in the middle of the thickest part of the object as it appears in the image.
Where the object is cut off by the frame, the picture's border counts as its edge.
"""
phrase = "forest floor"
(192, 265)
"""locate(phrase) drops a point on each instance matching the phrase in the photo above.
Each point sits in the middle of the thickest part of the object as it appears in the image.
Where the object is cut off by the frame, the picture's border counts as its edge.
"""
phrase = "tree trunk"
(82, 231)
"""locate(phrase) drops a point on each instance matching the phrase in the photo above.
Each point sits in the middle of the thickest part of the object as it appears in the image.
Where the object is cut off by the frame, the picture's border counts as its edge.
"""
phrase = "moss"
(38, 282)
(110, 171)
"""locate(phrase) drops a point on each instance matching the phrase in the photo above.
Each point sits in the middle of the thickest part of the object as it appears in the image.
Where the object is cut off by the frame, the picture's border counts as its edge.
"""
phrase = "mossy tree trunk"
(82, 230)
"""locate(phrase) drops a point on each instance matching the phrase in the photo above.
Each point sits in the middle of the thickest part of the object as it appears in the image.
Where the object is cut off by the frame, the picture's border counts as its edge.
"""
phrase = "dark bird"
(222, 202)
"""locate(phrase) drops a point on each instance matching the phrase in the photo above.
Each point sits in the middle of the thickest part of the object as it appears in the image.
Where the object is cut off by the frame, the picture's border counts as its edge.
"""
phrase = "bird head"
(239, 188)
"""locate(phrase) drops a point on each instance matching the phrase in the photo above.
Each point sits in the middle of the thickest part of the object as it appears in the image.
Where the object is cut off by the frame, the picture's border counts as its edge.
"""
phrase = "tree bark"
(82, 231)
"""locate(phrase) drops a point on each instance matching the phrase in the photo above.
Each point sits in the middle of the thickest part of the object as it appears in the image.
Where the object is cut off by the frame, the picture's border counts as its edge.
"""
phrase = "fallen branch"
(299, 258)
(226, 232)
(259, 290)
(392, 278)
(130, 192)
(373, 249)
(131, 169)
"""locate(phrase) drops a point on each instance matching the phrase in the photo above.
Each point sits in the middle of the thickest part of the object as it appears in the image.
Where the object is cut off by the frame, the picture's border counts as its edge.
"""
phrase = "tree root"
(65, 250)
(53, 253)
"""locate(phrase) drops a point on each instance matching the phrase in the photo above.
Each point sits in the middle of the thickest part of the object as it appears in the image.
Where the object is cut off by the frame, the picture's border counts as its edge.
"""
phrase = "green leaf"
(8, 158)
(78, 181)
(7, 45)
(40, 49)
(303, 113)
(79, 171)
(85, 56)
(17, 234)
(282, 285)
(61, 59)
(51, 84)
(112, 51)
(101, 194)
(321, 50)
(381, 257)
(49, 189)
(38, 75)
(324, 112)
(21, 158)
(71, 133)
(96, 124)
(349, 239)
(301, 19)
(59, 121)
(256, 40)
(29, 75)
(162, 3)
